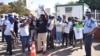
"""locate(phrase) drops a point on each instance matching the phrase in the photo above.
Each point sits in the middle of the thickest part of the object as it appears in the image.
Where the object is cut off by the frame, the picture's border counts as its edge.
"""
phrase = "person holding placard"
(78, 30)
(41, 27)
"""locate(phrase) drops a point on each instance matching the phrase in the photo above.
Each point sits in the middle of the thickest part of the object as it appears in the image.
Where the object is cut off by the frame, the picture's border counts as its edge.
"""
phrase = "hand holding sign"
(41, 7)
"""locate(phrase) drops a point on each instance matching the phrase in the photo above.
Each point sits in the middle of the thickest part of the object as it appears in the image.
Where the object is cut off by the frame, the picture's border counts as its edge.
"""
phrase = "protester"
(32, 27)
(67, 27)
(50, 38)
(2, 18)
(24, 33)
(42, 32)
(71, 33)
(59, 25)
(9, 32)
(16, 25)
(78, 31)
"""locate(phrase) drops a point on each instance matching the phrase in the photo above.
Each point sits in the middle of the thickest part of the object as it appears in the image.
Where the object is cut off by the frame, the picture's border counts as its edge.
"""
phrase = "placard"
(78, 33)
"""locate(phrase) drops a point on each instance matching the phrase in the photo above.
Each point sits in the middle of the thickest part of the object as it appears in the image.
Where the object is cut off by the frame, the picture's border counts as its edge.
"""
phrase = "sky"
(47, 3)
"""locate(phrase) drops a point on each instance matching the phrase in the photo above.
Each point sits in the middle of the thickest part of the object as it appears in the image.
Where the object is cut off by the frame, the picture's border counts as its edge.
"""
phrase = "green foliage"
(93, 4)
(4, 8)
(18, 7)
(72, 3)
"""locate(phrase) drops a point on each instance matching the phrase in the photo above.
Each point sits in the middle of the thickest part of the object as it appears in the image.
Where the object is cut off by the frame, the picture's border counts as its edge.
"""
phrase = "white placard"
(41, 7)
(78, 33)
(40, 11)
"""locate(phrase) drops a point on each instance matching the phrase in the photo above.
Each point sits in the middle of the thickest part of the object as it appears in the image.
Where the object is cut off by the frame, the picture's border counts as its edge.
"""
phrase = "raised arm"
(46, 15)
(25, 23)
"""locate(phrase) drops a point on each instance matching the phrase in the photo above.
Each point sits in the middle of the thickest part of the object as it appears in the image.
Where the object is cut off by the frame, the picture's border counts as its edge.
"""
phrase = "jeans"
(9, 43)
(58, 37)
(71, 38)
(50, 40)
(25, 43)
(3, 36)
(65, 38)
(88, 42)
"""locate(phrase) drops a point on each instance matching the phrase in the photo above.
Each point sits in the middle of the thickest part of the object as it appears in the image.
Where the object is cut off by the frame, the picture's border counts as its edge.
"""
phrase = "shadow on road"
(97, 47)
(62, 51)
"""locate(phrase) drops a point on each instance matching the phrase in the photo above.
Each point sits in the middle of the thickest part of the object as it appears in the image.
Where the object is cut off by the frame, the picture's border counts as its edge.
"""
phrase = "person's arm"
(25, 23)
(22, 25)
(37, 25)
(95, 26)
(46, 15)
(79, 21)
(13, 34)
(95, 29)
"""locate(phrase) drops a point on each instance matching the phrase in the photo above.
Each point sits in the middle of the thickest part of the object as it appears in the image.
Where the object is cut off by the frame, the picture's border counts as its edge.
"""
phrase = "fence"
(96, 15)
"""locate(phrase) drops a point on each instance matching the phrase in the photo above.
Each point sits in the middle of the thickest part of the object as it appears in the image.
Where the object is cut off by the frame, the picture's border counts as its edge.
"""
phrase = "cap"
(88, 11)
(9, 14)
(10, 18)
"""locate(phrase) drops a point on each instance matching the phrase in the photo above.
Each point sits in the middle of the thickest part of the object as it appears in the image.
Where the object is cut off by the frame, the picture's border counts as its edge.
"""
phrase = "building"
(76, 10)
(28, 4)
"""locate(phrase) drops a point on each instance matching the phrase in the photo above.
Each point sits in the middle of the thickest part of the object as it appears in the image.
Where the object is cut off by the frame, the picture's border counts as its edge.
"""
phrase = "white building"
(28, 4)
(76, 10)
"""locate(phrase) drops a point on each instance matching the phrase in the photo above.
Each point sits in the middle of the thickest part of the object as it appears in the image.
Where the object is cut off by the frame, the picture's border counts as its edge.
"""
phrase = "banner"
(78, 33)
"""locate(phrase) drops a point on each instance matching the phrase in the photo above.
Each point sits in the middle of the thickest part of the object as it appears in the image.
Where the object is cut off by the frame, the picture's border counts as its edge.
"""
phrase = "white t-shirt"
(24, 31)
(1, 21)
(9, 28)
(78, 33)
(59, 26)
(67, 27)
(51, 24)
(6, 22)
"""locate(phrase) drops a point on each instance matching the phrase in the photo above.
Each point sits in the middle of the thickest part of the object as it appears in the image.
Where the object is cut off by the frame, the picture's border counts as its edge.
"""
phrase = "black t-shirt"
(15, 26)
(42, 25)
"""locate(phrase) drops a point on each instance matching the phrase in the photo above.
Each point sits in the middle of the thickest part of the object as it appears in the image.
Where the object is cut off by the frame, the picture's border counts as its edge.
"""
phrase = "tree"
(93, 4)
(18, 7)
(1, 3)
(72, 3)
(4, 8)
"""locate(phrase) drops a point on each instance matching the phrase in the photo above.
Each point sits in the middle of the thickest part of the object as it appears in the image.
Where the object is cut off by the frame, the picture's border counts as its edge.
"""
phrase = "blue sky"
(46, 3)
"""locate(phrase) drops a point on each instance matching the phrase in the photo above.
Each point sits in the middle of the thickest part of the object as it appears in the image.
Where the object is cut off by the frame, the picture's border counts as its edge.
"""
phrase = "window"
(68, 9)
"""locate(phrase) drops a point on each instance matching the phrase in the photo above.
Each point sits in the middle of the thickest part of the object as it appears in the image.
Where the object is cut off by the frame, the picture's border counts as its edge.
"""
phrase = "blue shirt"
(89, 25)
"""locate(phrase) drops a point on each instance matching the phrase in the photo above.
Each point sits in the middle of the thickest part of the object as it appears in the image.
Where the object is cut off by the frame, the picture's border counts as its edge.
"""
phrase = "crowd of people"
(47, 31)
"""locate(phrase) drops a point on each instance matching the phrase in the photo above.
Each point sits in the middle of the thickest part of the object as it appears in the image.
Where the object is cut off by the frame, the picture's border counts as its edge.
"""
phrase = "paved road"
(58, 51)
